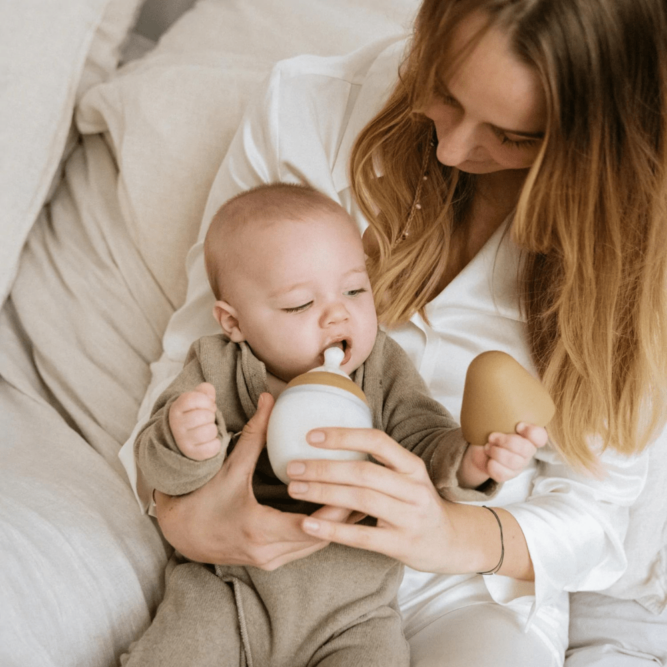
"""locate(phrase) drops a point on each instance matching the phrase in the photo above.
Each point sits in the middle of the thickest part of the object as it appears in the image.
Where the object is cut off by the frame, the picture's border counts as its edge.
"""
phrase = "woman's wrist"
(476, 544)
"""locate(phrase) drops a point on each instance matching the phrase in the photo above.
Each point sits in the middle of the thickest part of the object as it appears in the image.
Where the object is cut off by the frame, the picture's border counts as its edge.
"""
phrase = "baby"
(287, 268)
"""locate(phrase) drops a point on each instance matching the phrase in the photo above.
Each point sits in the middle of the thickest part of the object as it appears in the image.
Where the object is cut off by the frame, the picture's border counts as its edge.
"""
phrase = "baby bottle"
(322, 397)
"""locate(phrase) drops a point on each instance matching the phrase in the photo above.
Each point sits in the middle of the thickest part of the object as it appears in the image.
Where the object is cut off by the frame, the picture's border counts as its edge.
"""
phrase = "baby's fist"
(192, 423)
(509, 454)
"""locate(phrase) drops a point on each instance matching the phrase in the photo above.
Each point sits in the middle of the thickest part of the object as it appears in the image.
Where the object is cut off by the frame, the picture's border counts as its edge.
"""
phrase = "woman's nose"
(456, 143)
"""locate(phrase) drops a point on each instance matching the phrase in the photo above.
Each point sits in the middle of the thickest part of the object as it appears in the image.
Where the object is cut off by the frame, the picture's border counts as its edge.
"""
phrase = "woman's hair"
(591, 219)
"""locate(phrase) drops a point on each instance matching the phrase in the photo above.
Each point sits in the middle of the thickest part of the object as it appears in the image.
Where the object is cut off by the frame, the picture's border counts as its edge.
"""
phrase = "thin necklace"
(416, 202)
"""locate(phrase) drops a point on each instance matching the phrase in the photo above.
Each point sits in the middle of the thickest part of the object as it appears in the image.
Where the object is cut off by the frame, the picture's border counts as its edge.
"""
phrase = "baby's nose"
(334, 313)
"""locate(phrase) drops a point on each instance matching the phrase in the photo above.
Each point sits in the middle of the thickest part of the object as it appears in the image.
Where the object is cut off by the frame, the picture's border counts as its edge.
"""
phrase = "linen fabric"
(170, 116)
(50, 54)
(82, 569)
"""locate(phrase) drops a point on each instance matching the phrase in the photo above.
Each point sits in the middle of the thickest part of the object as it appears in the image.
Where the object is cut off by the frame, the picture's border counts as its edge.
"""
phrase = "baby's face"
(302, 289)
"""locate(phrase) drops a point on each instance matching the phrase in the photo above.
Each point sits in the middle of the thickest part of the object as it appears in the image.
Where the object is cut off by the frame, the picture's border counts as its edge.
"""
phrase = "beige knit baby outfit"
(336, 607)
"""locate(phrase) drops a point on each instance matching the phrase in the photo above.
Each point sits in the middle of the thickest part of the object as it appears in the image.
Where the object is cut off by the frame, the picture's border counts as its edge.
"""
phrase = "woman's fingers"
(364, 474)
(331, 513)
(371, 441)
(243, 458)
(359, 499)
(361, 537)
(272, 538)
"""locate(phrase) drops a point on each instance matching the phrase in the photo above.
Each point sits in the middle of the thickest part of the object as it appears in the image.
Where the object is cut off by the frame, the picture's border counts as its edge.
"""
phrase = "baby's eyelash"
(355, 292)
(297, 309)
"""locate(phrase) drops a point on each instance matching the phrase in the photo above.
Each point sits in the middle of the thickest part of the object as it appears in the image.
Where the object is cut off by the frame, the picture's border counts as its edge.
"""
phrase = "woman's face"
(490, 114)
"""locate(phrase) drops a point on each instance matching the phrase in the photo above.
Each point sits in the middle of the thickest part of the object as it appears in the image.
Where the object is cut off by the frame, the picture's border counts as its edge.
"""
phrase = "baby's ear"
(225, 315)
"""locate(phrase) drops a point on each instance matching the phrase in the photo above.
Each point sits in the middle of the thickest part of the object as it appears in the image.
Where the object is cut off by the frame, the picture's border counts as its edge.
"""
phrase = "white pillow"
(50, 53)
(171, 115)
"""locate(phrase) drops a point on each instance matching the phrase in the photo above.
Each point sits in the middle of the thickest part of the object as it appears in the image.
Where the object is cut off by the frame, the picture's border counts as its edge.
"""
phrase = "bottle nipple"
(333, 358)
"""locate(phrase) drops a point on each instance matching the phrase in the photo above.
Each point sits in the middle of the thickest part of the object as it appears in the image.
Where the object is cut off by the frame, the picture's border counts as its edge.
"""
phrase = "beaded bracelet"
(502, 543)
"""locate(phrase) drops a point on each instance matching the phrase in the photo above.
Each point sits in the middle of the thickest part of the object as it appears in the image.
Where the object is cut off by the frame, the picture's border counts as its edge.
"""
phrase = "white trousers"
(452, 621)
(604, 632)
(484, 635)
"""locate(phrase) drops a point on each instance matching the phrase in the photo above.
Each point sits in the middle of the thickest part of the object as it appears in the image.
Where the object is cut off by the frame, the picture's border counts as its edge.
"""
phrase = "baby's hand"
(192, 423)
(503, 457)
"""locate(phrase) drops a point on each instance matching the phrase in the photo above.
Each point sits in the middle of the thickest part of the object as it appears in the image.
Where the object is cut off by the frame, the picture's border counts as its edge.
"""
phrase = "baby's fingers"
(196, 400)
(537, 435)
(207, 389)
(193, 419)
(509, 445)
(503, 465)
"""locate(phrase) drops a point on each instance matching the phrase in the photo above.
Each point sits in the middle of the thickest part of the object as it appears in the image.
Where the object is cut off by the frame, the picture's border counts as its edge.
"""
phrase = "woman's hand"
(414, 524)
(222, 522)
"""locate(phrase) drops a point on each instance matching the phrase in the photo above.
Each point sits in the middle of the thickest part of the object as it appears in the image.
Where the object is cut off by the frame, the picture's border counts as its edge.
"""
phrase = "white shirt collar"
(376, 88)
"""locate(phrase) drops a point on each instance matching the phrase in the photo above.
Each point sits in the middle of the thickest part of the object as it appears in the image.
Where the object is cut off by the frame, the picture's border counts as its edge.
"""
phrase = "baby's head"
(288, 271)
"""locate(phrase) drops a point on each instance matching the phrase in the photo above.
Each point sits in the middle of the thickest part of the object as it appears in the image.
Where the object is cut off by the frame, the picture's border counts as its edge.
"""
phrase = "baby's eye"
(298, 309)
(355, 292)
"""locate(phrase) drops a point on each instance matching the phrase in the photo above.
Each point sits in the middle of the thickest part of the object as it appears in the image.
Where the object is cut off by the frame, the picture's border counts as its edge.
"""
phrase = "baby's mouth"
(345, 345)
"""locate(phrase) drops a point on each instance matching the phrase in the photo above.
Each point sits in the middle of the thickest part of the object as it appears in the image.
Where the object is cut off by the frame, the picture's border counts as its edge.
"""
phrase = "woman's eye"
(518, 143)
(445, 97)
(515, 143)
(298, 309)
(355, 292)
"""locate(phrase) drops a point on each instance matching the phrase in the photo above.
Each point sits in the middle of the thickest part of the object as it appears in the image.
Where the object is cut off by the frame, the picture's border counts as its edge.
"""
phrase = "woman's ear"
(226, 316)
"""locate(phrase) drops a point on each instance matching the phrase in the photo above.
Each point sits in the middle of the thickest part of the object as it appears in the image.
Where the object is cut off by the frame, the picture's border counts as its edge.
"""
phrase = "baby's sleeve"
(412, 417)
(157, 455)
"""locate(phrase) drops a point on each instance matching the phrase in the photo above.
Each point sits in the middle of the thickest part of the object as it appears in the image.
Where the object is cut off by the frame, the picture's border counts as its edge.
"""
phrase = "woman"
(513, 182)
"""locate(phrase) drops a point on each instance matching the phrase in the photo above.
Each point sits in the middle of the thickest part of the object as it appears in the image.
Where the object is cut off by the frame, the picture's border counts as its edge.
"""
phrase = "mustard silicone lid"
(329, 375)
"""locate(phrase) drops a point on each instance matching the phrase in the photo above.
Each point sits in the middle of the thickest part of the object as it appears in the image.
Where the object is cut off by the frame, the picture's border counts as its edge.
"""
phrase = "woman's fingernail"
(316, 436)
(311, 525)
(261, 401)
(296, 468)
(520, 426)
(298, 487)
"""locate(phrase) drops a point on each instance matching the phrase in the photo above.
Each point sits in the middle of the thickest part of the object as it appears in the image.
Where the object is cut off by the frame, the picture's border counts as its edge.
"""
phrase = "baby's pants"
(335, 608)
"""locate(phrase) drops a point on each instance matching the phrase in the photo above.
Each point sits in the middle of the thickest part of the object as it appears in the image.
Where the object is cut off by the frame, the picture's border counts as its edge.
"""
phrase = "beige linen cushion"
(51, 52)
(170, 116)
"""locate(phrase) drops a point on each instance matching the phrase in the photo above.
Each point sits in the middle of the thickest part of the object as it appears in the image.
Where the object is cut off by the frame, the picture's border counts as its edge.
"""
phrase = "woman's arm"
(222, 522)
(415, 525)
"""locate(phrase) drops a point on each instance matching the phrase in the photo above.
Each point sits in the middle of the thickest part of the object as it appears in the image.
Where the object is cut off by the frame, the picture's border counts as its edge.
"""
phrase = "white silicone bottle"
(322, 397)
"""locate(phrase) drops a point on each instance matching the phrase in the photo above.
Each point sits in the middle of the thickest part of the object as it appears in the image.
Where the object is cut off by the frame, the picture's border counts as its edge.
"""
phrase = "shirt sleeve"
(575, 524)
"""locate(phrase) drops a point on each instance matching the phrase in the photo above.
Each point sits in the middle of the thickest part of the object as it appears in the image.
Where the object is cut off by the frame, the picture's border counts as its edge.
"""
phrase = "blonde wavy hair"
(591, 218)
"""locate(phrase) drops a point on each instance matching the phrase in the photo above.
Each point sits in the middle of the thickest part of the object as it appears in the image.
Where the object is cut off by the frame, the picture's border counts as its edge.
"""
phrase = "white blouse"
(301, 128)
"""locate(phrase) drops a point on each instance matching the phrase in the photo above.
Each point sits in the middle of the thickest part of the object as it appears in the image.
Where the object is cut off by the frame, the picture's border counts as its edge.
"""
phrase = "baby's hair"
(260, 205)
